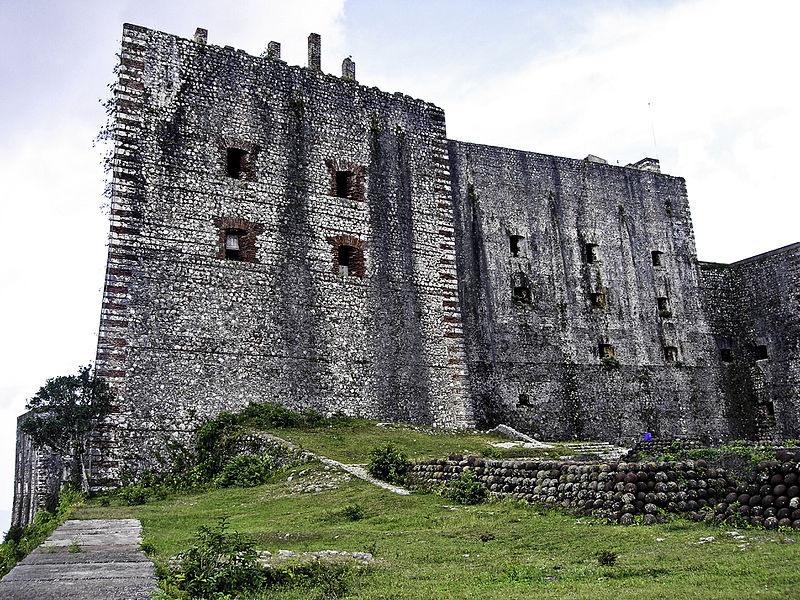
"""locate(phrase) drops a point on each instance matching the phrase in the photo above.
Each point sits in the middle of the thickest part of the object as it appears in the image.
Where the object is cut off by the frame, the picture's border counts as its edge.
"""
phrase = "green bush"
(219, 563)
(134, 495)
(354, 512)
(245, 471)
(388, 463)
(222, 565)
(466, 490)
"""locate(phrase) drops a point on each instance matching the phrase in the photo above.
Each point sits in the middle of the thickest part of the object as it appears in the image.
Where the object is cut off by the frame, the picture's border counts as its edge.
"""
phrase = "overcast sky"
(707, 86)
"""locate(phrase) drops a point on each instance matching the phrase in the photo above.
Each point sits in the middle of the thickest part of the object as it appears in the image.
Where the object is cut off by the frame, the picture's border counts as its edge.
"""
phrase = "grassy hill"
(424, 546)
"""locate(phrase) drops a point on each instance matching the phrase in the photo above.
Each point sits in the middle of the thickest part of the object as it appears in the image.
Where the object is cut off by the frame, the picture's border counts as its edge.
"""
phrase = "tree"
(65, 412)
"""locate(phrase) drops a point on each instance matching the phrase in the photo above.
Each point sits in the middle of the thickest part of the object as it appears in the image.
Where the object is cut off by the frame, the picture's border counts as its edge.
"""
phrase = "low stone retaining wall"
(629, 492)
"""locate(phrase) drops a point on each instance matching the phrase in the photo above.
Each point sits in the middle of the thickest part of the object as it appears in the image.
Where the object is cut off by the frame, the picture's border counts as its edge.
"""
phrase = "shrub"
(353, 512)
(222, 565)
(219, 563)
(134, 495)
(607, 558)
(388, 463)
(465, 490)
(245, 471)
(492, 452)
(610, 363)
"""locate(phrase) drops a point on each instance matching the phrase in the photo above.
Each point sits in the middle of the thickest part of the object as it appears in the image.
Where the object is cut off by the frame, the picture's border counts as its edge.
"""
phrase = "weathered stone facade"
(279, 234)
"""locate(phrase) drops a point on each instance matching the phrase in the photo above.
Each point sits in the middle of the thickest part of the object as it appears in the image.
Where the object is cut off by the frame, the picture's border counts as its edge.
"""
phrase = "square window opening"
(235, 162)
(515, 242)
(344, 256)
(726, 354)
(599, 300)
(344, 183)
(656, 257)
(521, 295)
(761, 352)
(524, 400)
(591, 253)
(663, 304)
(606, 351)
(670, 353)
(770, 408)
(232, 247)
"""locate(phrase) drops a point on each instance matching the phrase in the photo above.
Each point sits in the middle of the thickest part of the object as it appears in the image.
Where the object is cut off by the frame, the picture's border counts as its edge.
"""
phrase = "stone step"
(109, 565)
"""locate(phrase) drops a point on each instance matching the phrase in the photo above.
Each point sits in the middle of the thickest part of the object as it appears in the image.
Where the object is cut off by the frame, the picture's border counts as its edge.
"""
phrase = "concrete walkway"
(108, 566)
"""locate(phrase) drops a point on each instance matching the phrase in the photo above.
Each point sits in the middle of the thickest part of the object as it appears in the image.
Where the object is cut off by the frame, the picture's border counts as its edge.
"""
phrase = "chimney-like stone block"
(274, 50)
(201, 36)
(315, 52)
(348, 69)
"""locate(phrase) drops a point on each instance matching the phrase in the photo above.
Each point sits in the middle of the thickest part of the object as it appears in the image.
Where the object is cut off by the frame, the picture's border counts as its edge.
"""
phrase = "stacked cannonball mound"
(626, 493)
(771, 496)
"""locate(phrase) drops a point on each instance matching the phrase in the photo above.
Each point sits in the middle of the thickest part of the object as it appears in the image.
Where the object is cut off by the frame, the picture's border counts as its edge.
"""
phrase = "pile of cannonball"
(644, 492)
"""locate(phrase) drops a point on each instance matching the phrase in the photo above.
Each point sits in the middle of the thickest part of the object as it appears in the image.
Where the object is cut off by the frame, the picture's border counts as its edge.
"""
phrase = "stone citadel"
(279, 234)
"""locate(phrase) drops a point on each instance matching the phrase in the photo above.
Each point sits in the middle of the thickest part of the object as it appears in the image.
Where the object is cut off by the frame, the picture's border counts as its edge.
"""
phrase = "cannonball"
(770, 512)
(650, 508)
(731, 498)
(639, 505)
(796, 524)
(755, 500)
(756, 511)
(793, 492)
(649, 519)
(783, 513)
(626, 519)
(701, 463)
(781, 502)
(771, 523)
(796, 514)
(768, 500)
(776, 479)
(790, 479)
(756, 521)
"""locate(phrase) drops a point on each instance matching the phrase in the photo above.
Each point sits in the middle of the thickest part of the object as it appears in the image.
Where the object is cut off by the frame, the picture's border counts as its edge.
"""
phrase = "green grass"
(350, 442)
(427, 548)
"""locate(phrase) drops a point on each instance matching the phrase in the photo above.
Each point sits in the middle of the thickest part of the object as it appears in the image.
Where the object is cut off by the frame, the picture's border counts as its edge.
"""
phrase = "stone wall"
(278, 235)
(37, 478)
(563, 260)
(753, 307)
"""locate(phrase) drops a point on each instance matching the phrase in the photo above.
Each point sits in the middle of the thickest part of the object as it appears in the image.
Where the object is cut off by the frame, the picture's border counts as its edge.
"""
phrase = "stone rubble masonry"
(440, 316)
(752, 304)
(186, 333)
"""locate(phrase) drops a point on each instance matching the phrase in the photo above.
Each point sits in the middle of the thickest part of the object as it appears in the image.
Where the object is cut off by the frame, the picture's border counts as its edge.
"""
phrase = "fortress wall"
(537, 363)
(754, 306)
(319, 163)
(37, 478)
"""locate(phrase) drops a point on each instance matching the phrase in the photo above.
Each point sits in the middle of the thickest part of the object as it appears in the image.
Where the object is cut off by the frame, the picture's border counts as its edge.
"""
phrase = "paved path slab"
(109, 566)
